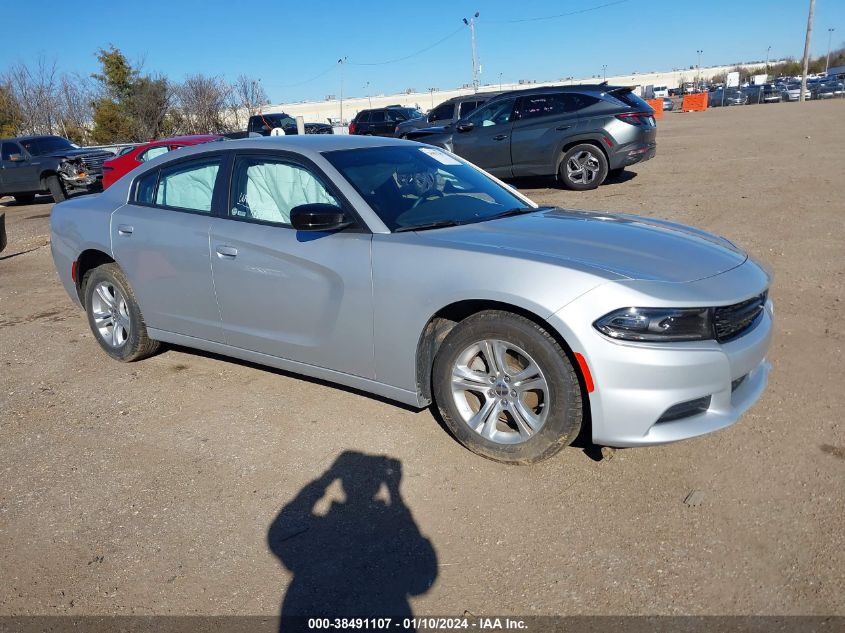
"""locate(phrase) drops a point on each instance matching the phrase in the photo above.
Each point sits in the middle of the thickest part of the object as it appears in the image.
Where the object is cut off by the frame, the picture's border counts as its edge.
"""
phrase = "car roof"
(32, 137)
(189, 138)
(588, 88)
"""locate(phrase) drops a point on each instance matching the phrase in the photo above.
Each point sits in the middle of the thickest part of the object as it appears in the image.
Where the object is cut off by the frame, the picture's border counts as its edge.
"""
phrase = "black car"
(447, 112)
(264, 124)
(30, 165)
(382, 121)
(579, 134)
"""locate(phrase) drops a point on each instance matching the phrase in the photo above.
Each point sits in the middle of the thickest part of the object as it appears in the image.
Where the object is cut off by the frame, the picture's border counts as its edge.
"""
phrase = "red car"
(115, 168)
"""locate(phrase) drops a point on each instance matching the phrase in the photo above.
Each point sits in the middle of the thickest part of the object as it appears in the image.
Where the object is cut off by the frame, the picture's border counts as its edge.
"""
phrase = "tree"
(10, 114)
(247, 98)
(202, 104)
(148, 105)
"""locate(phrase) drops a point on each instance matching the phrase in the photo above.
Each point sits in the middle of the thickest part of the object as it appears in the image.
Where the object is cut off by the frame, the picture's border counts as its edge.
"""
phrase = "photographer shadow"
(359, 556)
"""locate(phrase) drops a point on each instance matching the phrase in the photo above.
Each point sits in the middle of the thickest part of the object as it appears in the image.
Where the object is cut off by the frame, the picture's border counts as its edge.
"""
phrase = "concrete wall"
(320, 111)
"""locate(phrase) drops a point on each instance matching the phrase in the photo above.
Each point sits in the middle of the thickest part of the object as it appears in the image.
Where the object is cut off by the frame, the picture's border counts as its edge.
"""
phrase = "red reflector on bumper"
(585, 371)
(74, 267)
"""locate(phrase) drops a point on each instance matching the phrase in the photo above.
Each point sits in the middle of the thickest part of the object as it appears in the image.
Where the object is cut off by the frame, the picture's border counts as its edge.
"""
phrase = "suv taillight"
(636, 118)
(353, 127)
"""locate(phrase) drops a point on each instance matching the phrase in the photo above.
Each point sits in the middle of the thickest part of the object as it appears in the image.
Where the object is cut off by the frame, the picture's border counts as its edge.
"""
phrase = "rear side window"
(363, 117)
(9, 149)
(631, 100)
(188, 185)
(152, 153)
(146, 187)
(377, 116)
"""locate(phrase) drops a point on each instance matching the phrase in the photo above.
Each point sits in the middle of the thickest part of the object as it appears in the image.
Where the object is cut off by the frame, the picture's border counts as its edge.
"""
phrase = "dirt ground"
(152, 488)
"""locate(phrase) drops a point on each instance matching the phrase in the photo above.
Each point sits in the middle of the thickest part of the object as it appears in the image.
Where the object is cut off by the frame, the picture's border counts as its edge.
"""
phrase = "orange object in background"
(695, 102)
(657, 105)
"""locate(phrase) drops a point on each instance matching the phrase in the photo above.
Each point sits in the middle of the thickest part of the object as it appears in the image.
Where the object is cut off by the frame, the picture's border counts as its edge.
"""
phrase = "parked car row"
(578, 134)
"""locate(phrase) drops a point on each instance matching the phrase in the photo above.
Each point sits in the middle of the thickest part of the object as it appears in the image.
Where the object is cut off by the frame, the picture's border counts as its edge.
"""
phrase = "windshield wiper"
(429, 225)
(515, 211)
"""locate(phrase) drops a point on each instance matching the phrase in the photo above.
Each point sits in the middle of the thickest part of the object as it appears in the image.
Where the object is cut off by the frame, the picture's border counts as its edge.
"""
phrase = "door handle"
(561, 128)
(125, 229)
(500, 137)
(227, 252)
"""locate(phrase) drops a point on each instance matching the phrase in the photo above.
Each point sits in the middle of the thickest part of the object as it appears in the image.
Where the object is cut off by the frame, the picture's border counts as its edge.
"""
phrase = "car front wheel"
(583, 167)
(506, 389)
(114, 315)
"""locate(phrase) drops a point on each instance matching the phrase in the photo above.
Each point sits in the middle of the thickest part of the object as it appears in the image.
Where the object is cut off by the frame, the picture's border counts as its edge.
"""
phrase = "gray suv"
(579, 134)
(447, 112)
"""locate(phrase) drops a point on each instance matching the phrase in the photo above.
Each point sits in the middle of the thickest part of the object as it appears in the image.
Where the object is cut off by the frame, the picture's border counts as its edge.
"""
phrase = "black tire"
(596, 158)
(24, 198)
(56, 188)
(563, 408)
(138, 344)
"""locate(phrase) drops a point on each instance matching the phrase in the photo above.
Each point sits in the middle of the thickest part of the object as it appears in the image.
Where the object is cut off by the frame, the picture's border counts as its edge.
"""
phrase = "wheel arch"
(593, 139)
(87, 261)
(438, 326)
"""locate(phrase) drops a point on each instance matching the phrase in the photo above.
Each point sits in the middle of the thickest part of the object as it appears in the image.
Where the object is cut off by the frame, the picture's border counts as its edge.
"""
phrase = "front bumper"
(637, 383)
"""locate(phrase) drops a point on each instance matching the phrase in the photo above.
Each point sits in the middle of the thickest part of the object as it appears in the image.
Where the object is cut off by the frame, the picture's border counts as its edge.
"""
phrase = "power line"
(300, 83)
(419, 52)
(559, 15)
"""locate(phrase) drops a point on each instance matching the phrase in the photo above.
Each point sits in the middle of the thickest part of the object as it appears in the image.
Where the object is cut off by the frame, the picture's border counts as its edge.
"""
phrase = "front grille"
(94, 162)
(734, 320)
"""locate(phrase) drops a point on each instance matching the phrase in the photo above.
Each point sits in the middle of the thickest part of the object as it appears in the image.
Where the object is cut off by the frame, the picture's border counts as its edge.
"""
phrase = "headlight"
(658, 324)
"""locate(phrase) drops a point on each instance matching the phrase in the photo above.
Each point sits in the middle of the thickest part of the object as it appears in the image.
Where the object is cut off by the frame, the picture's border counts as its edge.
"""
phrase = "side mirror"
(16, 158)
(318, 217)
(465, 126)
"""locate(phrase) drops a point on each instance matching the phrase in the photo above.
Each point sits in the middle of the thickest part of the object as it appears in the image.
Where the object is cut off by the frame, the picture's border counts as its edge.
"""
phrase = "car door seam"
(214, 288)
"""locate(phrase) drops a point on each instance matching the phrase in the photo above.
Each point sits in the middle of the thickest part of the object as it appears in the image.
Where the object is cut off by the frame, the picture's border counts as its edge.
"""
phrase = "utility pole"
(807, 50)
(431, 92)
(342, 62)
(367, 92)
(500, 79)
(768, 50)
(604, 72)
(698, 81)
(471, 24)
(827, 63)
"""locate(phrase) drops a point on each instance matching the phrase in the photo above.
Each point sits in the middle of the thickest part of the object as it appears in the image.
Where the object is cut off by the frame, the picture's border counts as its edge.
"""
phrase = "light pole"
(431, 92)
(768, 50)
(698, 81)
(471, 24)
(367, 92)
(341, 61)
(500, 81)
(604, 72)
(827, 63)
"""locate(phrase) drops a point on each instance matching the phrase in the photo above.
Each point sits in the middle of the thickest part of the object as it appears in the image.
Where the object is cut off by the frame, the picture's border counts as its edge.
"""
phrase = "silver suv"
(447, 112)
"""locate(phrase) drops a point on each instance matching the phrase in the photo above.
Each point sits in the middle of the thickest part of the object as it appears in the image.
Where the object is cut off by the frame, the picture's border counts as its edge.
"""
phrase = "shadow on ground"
(352, 545)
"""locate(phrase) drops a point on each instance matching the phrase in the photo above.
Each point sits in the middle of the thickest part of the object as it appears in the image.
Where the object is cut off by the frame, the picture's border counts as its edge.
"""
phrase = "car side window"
(8, 149)
(442, 112)
(377, 116)
(152, 153)
(266, 189)
(145, 187)
(467, 107)
(188, 185)
(364, 117)
(496, 113)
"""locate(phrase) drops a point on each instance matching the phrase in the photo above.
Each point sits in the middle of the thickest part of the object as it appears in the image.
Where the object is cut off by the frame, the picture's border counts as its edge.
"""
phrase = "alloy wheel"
(111, 314)
(500, 392)
(583, 168)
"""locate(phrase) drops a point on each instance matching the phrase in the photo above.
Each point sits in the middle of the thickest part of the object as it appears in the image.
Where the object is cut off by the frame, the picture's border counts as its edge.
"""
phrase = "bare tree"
(247, 98)
(35, 89)
(202, 104)
(75, 99)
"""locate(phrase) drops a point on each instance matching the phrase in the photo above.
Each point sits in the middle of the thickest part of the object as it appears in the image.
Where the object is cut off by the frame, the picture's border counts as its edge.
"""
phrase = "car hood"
(75, 153)
(628, 246)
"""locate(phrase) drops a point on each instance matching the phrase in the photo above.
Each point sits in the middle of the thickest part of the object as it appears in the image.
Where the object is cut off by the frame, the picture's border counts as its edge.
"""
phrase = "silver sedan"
(402, 270)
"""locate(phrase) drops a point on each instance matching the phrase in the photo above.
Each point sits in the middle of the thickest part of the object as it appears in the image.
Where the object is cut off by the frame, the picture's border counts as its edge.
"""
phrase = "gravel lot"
(150, 488)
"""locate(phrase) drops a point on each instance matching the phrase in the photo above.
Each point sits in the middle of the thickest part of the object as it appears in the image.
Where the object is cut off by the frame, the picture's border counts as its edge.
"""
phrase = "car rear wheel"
(114, 316)
(57, 189)
(583, 167)
(506, 389)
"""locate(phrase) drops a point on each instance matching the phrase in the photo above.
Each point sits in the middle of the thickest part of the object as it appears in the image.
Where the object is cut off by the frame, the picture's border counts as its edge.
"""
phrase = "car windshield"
(411, 113)
(423, 187)
(46, 145)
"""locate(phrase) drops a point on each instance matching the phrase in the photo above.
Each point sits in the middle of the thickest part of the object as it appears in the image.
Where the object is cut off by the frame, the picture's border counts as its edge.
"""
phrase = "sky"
(293, 48)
